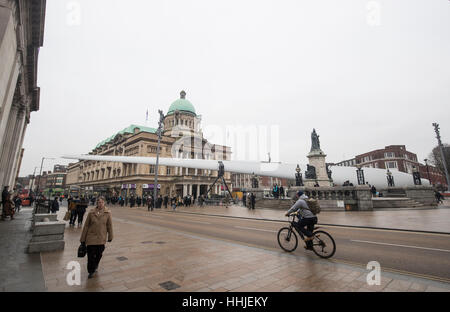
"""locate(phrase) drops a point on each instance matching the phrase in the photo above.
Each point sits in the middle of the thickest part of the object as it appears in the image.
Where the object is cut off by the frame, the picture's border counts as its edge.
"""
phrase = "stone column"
(7, 145)
(9, 68)
(364, 198)
(184, 190)
(16, 146)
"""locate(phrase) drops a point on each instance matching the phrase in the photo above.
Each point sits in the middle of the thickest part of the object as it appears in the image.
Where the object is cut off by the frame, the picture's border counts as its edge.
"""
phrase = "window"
(391, 164)
(151, 149)
(389, 155)
(168, 171)
(367, 158)
(152, 169)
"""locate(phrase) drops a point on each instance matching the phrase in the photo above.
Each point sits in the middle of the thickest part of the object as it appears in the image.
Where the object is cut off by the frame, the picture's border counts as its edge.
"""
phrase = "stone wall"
(421, 194)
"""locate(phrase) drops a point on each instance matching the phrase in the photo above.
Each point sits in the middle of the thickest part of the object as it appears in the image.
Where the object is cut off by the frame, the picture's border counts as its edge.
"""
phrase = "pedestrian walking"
(439, 197)
(174, 202)
(81, 210)
(73, 210)
(373, 190)
(17, 202)
(54, 205)
(244, 199)
(253, 200)
(150, 203)
(166, 201)
(97, 231)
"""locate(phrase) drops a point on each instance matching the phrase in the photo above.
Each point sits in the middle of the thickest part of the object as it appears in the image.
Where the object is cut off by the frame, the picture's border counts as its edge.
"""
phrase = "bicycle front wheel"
(323, 244)
(287, 239)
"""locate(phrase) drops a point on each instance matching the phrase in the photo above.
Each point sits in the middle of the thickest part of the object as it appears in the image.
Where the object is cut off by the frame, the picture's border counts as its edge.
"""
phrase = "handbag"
(67, 216)
(82, 250)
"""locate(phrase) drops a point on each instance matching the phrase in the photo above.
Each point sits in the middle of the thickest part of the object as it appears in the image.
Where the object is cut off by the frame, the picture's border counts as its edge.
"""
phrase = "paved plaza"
(145, 257)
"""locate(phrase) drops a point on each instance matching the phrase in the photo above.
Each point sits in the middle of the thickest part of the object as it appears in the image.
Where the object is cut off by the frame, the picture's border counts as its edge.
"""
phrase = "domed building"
(182, 138)
(182, 117)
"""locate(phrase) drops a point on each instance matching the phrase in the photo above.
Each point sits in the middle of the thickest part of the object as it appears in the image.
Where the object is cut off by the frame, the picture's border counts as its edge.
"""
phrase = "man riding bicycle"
(306, 218)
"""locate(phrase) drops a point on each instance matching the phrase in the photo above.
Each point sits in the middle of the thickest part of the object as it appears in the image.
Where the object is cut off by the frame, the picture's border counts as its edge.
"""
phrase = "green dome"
(182, 105)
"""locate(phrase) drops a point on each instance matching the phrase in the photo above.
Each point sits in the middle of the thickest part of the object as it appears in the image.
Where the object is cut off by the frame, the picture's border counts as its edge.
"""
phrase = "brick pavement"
(156, 255)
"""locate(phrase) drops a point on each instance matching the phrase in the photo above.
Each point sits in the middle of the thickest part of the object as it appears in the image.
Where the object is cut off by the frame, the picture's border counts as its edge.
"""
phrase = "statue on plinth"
(315, 142)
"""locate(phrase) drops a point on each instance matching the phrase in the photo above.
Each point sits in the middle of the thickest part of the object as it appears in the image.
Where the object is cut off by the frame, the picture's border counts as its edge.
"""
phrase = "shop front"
(147, 189)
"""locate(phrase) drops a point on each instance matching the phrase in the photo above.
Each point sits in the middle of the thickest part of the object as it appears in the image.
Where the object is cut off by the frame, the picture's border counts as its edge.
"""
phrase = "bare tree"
(436, 159)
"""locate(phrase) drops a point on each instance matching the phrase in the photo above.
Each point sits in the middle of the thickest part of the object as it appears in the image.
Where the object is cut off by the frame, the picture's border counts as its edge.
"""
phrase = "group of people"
(249, 200)
(278, 191)
(11, 203)
(77, 209)
(149, 202)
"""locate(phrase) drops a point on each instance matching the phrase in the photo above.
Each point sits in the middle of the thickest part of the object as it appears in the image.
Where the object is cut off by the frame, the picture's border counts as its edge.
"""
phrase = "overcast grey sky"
(365, 74)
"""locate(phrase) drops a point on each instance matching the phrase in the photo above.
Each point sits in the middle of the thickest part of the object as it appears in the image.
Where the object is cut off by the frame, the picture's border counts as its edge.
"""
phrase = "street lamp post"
(160, 126)
(360, 175)
(438, 136)
(428, 172)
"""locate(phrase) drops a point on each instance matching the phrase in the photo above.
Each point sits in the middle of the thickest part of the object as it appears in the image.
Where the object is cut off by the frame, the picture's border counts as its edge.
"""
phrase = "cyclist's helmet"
(299, 193)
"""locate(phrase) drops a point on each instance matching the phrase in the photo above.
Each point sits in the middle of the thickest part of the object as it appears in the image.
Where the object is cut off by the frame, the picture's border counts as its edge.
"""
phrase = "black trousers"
(80, 216)
(94, 254)
(309, 223)
(73, 216)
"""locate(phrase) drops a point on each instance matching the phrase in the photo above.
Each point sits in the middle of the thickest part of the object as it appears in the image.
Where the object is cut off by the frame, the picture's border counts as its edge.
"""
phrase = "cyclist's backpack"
(313, 205)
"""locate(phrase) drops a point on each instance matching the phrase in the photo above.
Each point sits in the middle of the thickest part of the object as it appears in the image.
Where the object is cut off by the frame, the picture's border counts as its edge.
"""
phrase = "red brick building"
(432, 174)
(391, 157)
(397, 157)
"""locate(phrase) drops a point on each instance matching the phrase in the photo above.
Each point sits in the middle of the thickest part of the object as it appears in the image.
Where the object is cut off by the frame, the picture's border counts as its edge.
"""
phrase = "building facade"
(56, 181)
(346, 163)
(182, 138)
(391, 157)
(21, 36)
(396, 157)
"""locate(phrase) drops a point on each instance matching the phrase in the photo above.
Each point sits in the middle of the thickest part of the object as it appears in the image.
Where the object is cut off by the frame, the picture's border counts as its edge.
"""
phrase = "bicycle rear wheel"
(323, 244)
(287, 239)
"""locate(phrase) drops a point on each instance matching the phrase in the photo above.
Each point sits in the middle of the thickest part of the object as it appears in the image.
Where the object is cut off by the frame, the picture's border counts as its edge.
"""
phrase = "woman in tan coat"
(96, 231)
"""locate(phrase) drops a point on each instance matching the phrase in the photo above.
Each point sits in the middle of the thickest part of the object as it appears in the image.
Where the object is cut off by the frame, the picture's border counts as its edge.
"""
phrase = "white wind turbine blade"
(373, 176)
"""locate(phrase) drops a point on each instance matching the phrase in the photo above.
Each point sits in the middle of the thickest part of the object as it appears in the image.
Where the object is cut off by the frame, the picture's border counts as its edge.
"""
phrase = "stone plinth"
(42, 216)
(317, 159)
(36, 247)
(47, 236)
(49, 228)
(421, 194)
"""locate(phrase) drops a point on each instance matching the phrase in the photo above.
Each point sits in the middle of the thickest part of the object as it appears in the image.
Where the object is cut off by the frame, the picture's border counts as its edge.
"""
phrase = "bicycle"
(323, 243)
